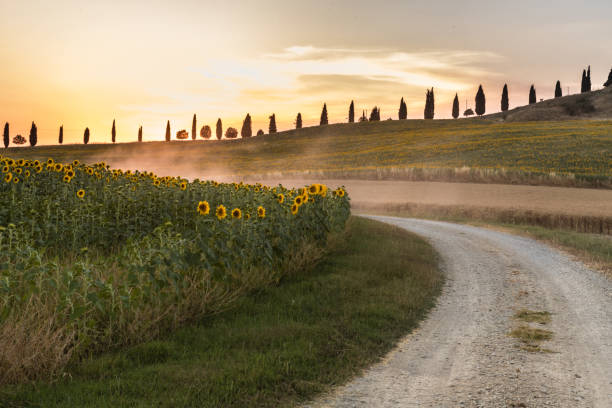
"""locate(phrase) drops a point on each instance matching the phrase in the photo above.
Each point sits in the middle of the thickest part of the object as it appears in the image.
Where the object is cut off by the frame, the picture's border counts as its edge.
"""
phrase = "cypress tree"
(558, 92)
(86, 136)
(588, 80)
(168, 131)
(504, 99)
(113, 132)
(140, 134)
(298, 121)
(272, 127)
(532, 95)
(456, 107)
(609, 81)
(323, 115)
(363, 117)
(480, 101)
(403, 110)
(375, 114)
(351, 117)
(583, 82)
(61, 135)
(33, 135)
(246, 130)
(6, 135)
(219, 129)
(194, 128)
(429, 104)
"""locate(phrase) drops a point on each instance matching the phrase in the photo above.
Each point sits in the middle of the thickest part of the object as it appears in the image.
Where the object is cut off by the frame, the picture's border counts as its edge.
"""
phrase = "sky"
(85, 63)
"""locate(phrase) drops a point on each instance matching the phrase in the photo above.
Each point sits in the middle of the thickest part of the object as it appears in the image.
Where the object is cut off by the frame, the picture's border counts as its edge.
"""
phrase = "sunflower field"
(93, 258)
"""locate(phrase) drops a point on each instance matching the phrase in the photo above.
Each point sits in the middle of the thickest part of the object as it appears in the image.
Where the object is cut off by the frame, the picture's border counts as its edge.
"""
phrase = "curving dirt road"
(463, 355)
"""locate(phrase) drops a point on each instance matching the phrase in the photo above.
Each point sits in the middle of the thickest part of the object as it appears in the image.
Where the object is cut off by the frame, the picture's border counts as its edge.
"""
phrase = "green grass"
(581, 147)
(279, 346)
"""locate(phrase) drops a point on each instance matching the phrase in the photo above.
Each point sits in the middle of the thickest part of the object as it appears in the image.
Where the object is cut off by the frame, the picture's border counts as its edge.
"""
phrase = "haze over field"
(143, 63)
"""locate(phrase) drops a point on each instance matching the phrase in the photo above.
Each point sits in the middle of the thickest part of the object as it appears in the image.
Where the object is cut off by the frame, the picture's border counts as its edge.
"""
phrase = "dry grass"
(533, 317)
(531, 338)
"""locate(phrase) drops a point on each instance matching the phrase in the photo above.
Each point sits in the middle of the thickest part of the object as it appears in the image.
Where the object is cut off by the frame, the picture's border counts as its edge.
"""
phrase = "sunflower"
(50, 162)
(157, 182)
(236, 213)
(340, 192)
(70, 173)
(38, 168)
(27, 173)
(323, 191)
(36, 163)
(256, 189)
(280, 198)
(20, 162)
(18, 170)
(298, 200)
(58, 167)
(183, 185)
(8, 177)
(75, 163)
(16, 180)
(261, 212)
(221, 212)
(80, 193)
(90, 171)
(313, 189)
(6, 169)
(67, 178)
(203, 208)
(247, 216)
(294, 209)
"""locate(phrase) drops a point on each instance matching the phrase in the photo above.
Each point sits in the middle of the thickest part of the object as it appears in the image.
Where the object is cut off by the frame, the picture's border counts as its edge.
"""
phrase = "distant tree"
(588, 80)
(363, 117)
(532, 95)
(113, 132)
(298, 121)
(583, 83)
(86, 136)
(194, 127)
(231, 133)
(182, 134)
(260, 132)
(61, 135)
(219, 129)
(558, 92)
(351, 117)
(480, 101)
(504, 99)
(272, 126)
(140, 134)
(429, 104)
(403, 110)
(375, 114)
(456, 107)
(609, 81)
(205, 132)
(468, 112)
(168, 136)
(324, 116)
(19, 140)
(33, 135)
(6, 135)
(246, 130)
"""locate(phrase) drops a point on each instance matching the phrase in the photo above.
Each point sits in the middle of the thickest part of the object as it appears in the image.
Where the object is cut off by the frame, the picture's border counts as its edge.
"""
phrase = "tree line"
(246, 130)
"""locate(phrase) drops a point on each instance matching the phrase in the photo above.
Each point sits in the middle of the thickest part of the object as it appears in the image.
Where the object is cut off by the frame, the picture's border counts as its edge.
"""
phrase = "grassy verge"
(279, 346)
(595, 250)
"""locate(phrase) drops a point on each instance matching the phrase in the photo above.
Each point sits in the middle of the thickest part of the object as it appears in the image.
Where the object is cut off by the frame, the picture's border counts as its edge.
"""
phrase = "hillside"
(517, 152)
(591, 105)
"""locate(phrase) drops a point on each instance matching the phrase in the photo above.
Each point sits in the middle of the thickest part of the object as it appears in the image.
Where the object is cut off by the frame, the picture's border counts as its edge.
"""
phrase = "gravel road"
(463, 356)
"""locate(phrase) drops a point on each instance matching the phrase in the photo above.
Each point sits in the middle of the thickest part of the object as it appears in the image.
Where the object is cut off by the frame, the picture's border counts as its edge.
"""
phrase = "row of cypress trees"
(246, 131)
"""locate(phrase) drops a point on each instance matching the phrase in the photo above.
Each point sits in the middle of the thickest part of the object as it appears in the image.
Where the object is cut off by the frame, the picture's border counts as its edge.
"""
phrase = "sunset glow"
(142, 63)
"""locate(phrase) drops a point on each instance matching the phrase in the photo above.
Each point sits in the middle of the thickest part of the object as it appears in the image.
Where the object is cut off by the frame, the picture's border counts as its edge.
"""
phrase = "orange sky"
(86, 63)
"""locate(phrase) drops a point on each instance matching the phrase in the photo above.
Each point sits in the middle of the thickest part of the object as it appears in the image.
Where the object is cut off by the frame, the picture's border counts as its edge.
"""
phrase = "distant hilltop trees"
(374, 115)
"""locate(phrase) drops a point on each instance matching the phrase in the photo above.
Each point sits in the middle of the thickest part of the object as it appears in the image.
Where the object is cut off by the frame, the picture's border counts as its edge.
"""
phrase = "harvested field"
(576, 209)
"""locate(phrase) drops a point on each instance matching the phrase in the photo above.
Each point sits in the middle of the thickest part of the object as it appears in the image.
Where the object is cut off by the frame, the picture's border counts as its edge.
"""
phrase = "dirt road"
(463, 356)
